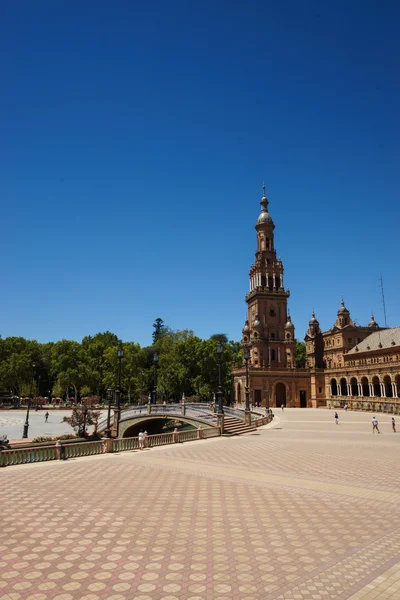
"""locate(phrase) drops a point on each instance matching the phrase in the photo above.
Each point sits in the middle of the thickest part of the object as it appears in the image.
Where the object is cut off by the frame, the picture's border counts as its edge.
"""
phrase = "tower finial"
(264, 196)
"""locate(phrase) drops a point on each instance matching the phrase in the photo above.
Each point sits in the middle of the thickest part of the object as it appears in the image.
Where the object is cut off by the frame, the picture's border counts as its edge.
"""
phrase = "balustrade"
(20, 456)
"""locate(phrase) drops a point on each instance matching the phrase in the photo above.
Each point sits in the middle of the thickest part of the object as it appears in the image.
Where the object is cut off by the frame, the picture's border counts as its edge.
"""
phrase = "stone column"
(383, 391)
(220, 421)
(394, 388)
(360, 391)
(349, 392)
(371, 389)
(59, 450)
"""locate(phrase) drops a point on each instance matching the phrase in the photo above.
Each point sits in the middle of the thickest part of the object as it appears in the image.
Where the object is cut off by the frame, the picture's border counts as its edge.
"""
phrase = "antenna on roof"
(383, 302)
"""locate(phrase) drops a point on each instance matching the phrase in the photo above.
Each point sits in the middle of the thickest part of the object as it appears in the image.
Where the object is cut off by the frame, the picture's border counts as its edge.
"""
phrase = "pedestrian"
(336, 418)
(345, 407)
(141, 440)
(393, 425)
(282, 406)
(46, 416)
(375, 425)
(145, 439)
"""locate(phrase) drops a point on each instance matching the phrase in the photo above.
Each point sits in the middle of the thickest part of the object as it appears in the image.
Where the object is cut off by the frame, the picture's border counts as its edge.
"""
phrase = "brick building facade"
(347, 364)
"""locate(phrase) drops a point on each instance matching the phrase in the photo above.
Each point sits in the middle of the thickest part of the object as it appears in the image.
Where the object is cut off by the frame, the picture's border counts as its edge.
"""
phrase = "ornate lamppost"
(110, 393)
(220, 350)
(246, 356)
(38, 394)
(117, 410)
(266, 393)
(26, 425)
(155, 361)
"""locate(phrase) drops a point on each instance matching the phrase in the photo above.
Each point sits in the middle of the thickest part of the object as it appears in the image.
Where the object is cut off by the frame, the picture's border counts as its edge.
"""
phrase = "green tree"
(301, 358)
(219, 337)
(159, 329)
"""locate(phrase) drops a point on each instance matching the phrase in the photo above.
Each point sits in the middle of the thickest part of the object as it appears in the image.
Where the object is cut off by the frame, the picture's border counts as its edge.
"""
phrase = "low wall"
(63, 451)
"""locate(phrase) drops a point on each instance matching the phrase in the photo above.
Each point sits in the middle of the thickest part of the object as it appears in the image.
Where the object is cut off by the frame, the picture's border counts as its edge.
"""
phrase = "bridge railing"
(210, 432)
(82, 449)
(199, 410)
(234, 412)
(20, 456)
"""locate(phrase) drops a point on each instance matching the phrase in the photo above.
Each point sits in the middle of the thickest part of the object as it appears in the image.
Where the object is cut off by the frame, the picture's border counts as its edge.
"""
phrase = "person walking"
(336, 418)
(393, 425)
(145, 439)
(345, 407)
(282, 406)
(141, 440)
(46, 416)
(375, 425)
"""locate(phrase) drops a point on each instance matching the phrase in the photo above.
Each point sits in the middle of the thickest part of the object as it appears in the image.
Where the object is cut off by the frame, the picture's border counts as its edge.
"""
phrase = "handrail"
(83, 449)
(20, 456)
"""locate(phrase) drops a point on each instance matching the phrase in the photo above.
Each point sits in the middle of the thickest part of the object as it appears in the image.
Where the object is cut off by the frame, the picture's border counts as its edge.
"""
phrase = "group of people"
(142, 437)
(375, 424)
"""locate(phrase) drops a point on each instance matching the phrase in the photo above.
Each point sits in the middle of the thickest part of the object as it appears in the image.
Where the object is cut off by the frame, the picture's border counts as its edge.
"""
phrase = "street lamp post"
(109, 398)
(220, 350)
(117, 410)
(266, 393)
(26, 425)
(155, 360)
(38, 393)
(246, 356)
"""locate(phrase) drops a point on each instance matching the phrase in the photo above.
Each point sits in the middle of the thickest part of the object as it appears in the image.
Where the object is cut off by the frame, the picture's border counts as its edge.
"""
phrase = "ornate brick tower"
(271, 336)
(269, 331)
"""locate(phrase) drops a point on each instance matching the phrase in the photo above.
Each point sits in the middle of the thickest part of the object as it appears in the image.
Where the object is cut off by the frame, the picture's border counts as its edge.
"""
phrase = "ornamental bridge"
(153, 417)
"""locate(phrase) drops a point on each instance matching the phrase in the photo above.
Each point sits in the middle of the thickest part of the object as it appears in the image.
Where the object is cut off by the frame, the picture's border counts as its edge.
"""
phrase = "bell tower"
(269, 331)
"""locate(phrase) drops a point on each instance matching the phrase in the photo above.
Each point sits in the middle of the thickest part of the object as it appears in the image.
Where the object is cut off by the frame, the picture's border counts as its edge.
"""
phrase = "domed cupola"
(343, 316)
(289, 324)
(246, 331)
(257, 324)
(264, 217)
(343, 310)
(313, 320)
(373, 324)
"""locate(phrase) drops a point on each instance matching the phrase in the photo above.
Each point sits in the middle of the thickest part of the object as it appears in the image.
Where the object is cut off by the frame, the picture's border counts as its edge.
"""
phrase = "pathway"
(302, 510)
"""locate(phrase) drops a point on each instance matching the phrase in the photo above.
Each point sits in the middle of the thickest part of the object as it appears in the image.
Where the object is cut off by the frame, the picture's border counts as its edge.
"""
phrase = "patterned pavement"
(303, 510)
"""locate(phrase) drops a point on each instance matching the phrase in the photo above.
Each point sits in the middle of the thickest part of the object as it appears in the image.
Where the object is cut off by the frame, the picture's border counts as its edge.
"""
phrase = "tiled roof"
(378, 340)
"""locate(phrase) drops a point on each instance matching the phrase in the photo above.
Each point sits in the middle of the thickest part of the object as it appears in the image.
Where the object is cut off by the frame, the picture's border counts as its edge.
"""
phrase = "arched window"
(288, 336)
(354, 386)
(272, 313)
(377, 386)
(343, 387)
(273, 354)
(388, 386)
(365, 386)
(334, 387)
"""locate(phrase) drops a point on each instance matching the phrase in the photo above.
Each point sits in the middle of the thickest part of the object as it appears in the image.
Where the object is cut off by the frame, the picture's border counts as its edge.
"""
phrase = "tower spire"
(264, 192)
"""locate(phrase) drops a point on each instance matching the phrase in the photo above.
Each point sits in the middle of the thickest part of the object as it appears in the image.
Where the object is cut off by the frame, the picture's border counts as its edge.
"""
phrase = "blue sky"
(135, 140)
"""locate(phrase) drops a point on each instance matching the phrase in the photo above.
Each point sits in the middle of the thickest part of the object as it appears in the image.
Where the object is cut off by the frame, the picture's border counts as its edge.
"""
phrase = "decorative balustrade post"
(220, 421)
(108, 445)
(58, 450)
(175, 436)
(200, 435)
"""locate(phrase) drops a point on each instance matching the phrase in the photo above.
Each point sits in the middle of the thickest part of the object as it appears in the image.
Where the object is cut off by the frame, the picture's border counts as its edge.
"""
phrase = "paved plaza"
(304, 509)
(12, 423)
